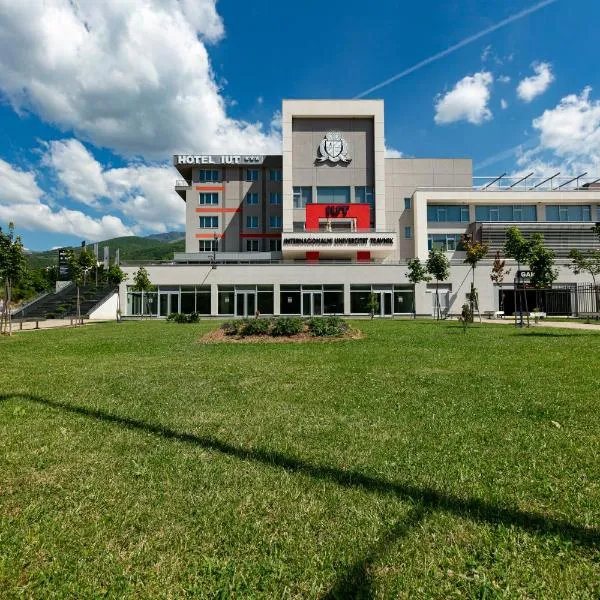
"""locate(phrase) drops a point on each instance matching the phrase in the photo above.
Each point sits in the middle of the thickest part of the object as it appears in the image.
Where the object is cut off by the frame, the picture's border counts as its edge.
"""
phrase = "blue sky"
(96, 97)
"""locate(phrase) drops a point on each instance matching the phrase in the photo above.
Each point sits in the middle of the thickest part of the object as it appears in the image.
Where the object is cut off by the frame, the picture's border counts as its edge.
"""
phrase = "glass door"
(245, 304)
(386, 304)
(168, 302)
(312, 303)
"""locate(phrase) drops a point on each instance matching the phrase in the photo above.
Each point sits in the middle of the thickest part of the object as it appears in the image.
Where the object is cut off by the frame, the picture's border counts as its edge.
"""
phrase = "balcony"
(558, 236)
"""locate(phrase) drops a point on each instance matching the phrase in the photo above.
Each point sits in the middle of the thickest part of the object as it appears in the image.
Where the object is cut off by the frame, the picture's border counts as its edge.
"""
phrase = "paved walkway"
(18, 326)
(543, 323)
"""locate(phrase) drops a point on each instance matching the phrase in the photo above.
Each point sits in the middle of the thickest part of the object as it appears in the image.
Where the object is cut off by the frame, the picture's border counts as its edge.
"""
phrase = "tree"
(439, 267)
(142, 283)
(12, 269)
(585, 263)
(499, 272)
(115, 276)
(373, 304)
(87, 261)
(417, 273)
(76, 275)
(541, 263)
(517, 247)
(475, 251)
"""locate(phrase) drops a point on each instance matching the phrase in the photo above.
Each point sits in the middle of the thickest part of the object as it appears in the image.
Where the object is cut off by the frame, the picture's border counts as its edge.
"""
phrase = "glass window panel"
(404, 301)
(289, 303)
(333, 302)
(188, 303)
(265, 303)
(333, 195)
(203, 303)
(407, 203)
(359, 301)
(226, 303)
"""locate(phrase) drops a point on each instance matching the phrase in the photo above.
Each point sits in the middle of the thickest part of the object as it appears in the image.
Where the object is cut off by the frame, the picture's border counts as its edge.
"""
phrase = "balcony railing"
(182, 183)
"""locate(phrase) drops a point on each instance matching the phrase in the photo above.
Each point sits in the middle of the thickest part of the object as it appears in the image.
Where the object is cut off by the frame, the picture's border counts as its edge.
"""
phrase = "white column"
(214, 299)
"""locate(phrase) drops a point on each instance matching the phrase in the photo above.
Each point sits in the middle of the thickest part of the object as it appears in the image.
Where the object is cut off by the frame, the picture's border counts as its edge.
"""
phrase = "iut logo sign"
(333, 147)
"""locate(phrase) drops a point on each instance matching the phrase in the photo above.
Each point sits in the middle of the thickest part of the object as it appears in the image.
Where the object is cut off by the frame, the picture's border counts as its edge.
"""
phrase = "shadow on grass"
(357, 582)
(548, 334)
(473, 508)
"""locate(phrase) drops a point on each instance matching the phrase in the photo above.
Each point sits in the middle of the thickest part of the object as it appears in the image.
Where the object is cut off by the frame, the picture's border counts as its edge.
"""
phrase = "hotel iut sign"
(334, 148)
(218, 159)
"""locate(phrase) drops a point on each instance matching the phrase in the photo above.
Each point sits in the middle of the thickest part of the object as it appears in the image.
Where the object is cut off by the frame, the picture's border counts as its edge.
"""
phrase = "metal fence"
(587, 300)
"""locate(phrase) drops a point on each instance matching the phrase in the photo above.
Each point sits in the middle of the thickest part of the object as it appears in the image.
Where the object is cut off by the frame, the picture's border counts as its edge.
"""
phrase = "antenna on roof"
(590, 183)
(520, 180)
(548, 179)
(493, 181)
(570, 180)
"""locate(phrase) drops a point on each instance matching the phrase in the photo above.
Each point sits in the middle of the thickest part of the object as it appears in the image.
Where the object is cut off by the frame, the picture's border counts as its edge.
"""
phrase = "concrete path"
(595, 326)
(18, 326)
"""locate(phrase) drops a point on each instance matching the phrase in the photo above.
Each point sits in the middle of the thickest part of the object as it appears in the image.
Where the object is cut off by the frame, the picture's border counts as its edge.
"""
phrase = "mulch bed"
(217, 336)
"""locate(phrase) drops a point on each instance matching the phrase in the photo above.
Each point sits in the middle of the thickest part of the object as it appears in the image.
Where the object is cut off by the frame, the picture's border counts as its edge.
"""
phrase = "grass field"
(418, 462)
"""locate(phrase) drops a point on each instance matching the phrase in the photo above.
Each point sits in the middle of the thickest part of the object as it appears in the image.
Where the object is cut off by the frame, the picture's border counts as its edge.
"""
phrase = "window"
(447, 213)
(208, 175)
(252, 245)
(252, 198)
(208, 198)
(275, 222)
(209, 222)
(445, 241)
(407, 203)
(275, 245)
(251, 222)
(576, 212)
(252, 175)
(209, 246)
(275, 174)
(508, 212)
(275, 198)
(363, 194)
(302, 196)
(408, 233)
(333, 195)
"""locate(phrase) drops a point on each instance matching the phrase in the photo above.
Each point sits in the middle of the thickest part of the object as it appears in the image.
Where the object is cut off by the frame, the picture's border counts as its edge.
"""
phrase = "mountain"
(131, 248)
(170, 236)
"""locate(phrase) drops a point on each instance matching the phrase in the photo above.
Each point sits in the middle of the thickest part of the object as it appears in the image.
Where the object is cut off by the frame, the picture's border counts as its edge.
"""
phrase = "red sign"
(319, 213)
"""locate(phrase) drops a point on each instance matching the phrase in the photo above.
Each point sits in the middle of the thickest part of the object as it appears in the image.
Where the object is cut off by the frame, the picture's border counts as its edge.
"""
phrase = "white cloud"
(131, 75)
(503, 104)
(392, 152)
(467, 101)
(572, 127)
(569, 138)
(486, 53)
(531, 87)
(142, 193)
(504, 79)
(18, 186)
(21, 203)
(77, 170)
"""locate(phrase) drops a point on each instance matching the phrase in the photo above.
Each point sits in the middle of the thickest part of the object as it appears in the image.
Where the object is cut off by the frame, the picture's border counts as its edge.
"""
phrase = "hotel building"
(320, 227)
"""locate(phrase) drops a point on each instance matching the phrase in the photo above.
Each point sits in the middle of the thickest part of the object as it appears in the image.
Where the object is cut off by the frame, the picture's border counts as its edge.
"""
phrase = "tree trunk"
(78, 307)
(9, 296)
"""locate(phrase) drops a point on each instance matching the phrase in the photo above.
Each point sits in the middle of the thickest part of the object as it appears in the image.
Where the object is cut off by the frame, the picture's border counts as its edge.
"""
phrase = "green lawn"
(418, 462)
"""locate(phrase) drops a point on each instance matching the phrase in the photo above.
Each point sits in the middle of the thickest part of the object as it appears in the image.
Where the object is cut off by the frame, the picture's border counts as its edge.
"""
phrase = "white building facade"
(320, 227)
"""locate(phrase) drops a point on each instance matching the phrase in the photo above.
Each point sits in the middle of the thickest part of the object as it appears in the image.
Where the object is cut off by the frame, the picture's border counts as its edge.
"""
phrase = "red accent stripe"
(210, 188)
(209, 236)
(260, 235)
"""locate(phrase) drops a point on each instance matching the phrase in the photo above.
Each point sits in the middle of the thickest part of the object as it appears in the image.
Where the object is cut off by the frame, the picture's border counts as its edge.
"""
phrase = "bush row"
(286, 326)
(183, 318)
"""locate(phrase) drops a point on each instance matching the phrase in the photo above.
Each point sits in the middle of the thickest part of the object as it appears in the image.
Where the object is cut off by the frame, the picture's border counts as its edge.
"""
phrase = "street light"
(214, 253)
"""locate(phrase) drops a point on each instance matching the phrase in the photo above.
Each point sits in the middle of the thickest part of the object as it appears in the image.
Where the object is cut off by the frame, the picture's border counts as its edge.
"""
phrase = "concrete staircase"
(63, 304)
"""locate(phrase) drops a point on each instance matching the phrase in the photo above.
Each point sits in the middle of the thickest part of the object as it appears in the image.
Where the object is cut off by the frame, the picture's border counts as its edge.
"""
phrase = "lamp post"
(214, 253)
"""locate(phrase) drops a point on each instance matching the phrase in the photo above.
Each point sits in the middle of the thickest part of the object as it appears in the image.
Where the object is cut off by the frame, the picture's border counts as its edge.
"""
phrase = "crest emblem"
(333, 147)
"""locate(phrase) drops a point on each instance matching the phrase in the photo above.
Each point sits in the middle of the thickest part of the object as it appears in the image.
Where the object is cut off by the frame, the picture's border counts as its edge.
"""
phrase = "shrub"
(287, 326)
(193, 317)
(50, 315)
(255, 326)
(327, 326)
(232, 327)
(177, 318)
